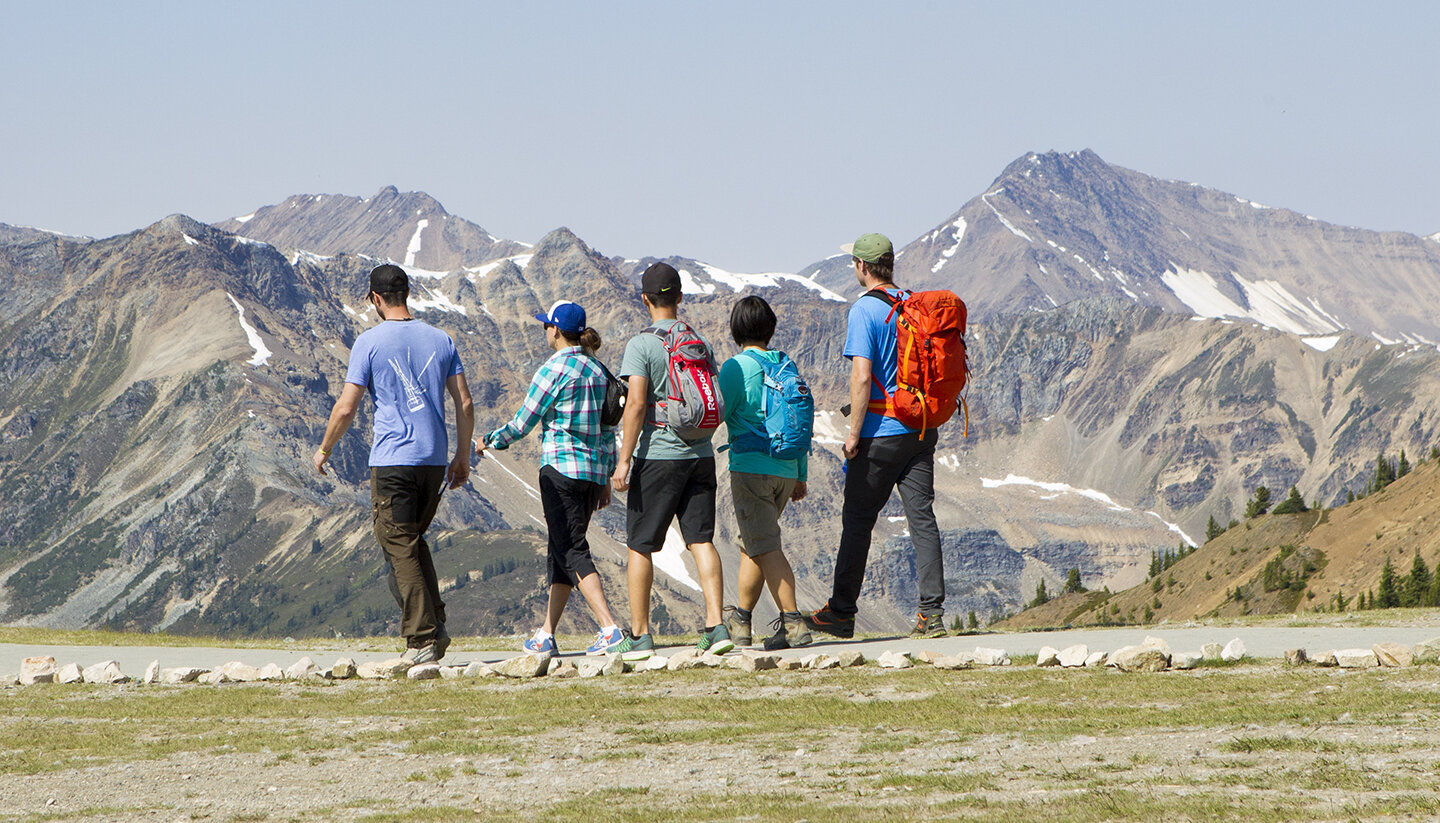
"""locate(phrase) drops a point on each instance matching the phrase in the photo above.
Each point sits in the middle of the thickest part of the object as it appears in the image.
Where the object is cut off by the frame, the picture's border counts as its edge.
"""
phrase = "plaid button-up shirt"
(566, 395)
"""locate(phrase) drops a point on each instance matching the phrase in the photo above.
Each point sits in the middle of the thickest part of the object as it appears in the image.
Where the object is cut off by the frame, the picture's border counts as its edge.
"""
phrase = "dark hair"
(882, 269)
(589, 339)
(391, 299)
(664, 300)
(752, 321)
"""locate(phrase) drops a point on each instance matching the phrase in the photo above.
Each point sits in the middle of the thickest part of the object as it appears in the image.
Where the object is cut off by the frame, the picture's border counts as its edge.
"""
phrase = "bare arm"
(859, 403)
(341, 416)
(636, 399)
(464, 430)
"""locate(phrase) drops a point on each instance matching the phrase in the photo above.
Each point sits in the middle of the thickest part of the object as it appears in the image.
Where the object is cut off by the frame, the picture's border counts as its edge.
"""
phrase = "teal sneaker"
(716, 641)
(634, 648)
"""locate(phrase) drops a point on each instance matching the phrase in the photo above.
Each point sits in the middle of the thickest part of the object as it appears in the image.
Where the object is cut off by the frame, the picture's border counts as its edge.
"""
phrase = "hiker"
(769, 416)
(884, 451)
(673, 410)
(577, 455)
(408, 367)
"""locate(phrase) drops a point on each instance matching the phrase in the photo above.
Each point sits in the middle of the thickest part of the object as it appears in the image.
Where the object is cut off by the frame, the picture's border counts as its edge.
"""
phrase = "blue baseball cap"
(565, 316)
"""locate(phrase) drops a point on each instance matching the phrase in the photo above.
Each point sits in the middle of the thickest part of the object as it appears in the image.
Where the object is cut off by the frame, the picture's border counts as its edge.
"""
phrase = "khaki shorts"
(759, 500)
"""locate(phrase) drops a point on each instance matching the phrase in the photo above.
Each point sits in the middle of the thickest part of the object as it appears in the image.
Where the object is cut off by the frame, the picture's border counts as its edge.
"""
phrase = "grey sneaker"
(737, 622)
(634, 648)
(930, 625)
(716, 641)
(416, 655)
(790, 632)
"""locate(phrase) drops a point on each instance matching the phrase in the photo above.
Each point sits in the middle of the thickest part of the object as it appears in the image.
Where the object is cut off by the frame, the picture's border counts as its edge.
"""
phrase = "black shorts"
(662, 490)
(568, 504)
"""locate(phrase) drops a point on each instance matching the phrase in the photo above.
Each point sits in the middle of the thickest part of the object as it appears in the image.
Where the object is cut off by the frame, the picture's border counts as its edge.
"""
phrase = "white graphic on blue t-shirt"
(414, 396)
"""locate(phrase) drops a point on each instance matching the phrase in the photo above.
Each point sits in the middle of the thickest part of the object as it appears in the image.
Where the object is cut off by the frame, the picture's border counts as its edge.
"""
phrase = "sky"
(756, 136)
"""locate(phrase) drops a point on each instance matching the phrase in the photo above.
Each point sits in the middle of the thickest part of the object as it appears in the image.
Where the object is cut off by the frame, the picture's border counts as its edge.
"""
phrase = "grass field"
(1255, 742)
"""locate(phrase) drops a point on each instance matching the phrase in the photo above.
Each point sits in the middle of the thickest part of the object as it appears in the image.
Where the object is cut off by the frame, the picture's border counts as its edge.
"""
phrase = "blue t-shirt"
(404, 364)
(868, 335)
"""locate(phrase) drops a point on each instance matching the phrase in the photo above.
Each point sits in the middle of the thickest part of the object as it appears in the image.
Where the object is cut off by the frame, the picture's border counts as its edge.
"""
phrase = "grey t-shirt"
(645, 357)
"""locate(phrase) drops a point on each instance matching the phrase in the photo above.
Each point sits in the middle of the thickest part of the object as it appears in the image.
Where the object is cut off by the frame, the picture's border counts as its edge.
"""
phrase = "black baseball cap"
(389, 279)
(660, 278)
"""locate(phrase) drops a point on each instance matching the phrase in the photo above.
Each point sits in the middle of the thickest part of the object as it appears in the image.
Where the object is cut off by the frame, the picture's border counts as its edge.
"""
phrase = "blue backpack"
(787, 408)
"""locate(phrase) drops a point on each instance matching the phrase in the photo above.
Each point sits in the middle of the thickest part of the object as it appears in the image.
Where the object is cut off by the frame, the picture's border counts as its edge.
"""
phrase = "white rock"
(757, 661)
(1096, 659)
(711, 660)
(105, 672)
(181, 674)
(1211, 651)
(1152, 642)
(1390, 655)
(820, 662)
(1234, 650)
(790, 664)
(301, 669)
(214, 678)
(925, 656)
(1356, 659)
(555, 664)
(42, 669)
(240, 672)
(152, 672)
(451, 672)
(270, 672)
(1140, 658)
(851, 657)
(524, 665)
(1327, 659)
(70, 673)
(955, 661)
(1047, 657)
(478, 669)
(344, 669)
(1427, 651)
(653, 663)
(590, 666)
(1185, 660)
(895, 660)
(991, 657)
(1073, 657)
(423, 671)
(614, 664)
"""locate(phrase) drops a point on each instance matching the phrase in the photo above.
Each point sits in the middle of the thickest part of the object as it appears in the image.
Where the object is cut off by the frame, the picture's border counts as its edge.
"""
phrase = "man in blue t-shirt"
(407, 367)
(882, 454)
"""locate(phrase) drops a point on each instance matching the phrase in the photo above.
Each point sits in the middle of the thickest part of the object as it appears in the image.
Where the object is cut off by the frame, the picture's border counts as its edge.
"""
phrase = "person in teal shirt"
(761, 485)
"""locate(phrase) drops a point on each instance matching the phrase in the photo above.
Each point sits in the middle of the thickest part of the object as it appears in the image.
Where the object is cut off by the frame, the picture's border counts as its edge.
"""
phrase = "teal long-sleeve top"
(742, 385)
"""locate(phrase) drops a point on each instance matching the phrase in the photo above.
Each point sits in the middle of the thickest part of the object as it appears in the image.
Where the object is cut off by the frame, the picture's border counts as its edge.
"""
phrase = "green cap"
(869, 247)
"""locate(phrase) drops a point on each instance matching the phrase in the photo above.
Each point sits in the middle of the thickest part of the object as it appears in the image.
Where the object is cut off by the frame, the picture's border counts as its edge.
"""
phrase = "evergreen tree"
(1293, 504)
(1259, 504)
(1212, 530)
(1435, 452)
(1403, 467)
(1416, 591)
(1384, 473)
(1349, 496)
(1388, 597)
(1041, 595)
(1072, 581)
(1155, 563)
(1360, 602)
(974, 622)
(1432, 598)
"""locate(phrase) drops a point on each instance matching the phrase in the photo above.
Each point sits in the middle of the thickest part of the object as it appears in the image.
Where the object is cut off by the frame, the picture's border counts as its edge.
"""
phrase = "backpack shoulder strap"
(880, 294)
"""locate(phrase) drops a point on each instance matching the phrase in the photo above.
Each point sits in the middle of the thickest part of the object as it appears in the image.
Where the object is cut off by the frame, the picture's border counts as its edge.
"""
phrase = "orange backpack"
(930, 362)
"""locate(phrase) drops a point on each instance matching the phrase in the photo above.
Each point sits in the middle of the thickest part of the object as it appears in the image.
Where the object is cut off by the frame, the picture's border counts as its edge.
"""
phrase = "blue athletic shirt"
(868, 335)
(404, 364)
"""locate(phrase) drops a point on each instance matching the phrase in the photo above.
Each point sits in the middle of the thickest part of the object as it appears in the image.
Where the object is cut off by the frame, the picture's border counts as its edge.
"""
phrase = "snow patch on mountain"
(692, 282)
(1321, 343)
(956, 236)
(436, 301)
(414, 247)
(1271, 304)
(1092, 494)
(262, 352)
(246, 219)
(1006, 223)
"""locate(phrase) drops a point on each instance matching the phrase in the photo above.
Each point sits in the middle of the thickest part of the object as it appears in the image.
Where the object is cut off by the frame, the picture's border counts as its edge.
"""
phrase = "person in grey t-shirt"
(671, 478)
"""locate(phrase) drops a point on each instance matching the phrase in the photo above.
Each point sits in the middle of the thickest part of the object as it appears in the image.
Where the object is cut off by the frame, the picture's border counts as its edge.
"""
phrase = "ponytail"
(589, 339)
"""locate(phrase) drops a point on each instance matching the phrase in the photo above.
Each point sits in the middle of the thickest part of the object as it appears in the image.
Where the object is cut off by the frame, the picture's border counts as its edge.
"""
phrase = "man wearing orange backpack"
(907, 368)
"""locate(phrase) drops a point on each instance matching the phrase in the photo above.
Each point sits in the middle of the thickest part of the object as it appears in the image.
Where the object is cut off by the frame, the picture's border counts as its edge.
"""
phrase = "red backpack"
(693, 408)
(930, 362)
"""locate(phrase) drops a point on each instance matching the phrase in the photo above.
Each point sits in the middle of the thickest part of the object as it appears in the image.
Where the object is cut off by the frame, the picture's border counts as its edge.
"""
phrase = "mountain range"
(1144, 352)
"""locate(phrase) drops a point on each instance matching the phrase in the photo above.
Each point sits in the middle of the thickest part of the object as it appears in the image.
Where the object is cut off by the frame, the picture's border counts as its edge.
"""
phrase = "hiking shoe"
(415, 655)
(606, 641)
(824, 620)
(716, 641)
(929, 625)
(737, 623)
(790, 632)
(633, 648)
(442, 641)
(540, 645)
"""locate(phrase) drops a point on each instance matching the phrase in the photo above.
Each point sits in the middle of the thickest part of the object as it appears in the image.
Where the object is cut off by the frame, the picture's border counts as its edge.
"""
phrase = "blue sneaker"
(535, 645)
(606, 641)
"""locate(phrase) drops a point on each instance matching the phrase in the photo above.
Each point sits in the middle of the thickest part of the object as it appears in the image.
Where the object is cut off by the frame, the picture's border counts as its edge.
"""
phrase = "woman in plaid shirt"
(578, 456)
